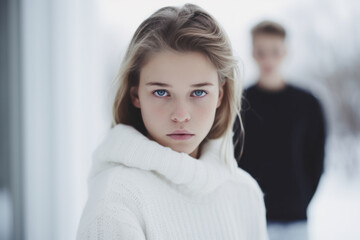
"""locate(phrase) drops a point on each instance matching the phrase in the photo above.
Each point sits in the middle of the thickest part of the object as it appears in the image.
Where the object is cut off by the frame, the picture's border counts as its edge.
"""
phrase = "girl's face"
(178, 94)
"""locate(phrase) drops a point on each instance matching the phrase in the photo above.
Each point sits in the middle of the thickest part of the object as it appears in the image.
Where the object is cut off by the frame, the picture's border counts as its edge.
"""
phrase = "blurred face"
(268, 52)
(178, 94)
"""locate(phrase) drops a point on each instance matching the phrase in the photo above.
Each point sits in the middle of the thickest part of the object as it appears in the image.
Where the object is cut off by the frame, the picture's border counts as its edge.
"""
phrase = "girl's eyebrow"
(158, 84)
(202, 84)
(168, 85)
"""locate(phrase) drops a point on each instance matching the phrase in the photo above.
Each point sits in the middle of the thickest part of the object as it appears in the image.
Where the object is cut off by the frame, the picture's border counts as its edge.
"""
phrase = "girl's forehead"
(175, 67)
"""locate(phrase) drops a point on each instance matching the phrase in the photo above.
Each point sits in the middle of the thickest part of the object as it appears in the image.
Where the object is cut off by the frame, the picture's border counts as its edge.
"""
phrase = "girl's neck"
(196, 152)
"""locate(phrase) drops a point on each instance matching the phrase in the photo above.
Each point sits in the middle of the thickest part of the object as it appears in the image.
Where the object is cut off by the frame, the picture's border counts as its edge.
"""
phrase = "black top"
(284, 147)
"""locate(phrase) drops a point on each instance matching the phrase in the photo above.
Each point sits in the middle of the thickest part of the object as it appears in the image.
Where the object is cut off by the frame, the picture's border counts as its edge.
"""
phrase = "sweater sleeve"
(106, 226)
(315, 146)
(259, 219)
(255, 211)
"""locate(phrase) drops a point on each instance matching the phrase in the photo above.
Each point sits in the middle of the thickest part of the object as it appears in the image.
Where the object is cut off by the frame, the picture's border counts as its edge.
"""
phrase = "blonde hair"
(186, 28)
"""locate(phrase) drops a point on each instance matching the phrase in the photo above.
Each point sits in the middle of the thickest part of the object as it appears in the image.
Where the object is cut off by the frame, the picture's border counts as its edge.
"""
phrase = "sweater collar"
(125, 145)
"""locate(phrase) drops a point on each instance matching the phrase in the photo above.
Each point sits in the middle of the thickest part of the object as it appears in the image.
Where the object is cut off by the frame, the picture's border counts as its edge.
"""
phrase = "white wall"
(64, 112)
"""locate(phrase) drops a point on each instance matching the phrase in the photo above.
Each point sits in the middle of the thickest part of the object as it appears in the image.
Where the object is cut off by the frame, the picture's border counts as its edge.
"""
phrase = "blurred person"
(166, 168)
(284, 137)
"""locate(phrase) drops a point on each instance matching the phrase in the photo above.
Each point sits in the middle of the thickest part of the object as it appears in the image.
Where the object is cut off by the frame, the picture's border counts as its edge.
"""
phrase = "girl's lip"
(181, 136)
(180, 131)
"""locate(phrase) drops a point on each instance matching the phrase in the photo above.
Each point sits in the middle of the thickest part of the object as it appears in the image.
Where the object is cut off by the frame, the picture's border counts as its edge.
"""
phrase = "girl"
(166, 169)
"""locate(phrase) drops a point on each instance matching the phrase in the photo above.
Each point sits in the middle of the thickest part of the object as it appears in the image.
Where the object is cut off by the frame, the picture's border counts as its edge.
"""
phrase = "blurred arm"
(315, 147)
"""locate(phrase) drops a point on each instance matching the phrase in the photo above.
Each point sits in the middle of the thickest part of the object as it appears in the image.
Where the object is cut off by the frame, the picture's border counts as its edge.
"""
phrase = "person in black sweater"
(284, 142)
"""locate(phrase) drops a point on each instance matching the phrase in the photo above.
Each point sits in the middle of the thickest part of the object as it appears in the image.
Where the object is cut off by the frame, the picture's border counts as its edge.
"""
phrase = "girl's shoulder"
(115, 188)
(244, 180)
(113, 196)
(119, 178)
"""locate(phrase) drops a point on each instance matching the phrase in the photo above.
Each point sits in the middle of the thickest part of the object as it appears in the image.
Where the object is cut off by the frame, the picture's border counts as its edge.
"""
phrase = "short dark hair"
(268, 27)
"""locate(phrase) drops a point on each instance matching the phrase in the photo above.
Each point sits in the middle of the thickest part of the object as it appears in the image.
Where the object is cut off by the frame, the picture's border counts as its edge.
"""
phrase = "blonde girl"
(166, 168)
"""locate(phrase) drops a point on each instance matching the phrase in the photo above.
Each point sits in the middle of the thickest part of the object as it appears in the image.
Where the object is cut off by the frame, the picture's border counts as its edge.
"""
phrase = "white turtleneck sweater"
(139, 189)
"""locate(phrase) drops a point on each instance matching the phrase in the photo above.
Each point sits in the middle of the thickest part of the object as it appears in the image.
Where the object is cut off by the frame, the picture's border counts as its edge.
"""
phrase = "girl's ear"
(135, 96)
(221, 94)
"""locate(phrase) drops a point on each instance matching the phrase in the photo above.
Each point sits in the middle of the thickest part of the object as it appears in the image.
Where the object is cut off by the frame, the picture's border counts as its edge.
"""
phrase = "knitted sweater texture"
(139, 189)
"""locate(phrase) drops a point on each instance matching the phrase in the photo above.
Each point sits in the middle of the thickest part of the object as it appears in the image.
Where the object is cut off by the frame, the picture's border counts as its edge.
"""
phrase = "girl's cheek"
(207, 102)
(155, 107)
(152, 101)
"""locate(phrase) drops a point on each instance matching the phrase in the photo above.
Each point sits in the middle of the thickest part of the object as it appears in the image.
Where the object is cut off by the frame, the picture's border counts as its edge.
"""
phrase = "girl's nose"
(180, 115)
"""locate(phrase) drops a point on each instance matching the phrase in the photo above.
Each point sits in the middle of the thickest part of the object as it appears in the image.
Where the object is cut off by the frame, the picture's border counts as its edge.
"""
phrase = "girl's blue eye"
(199, 93)
(160, 93)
